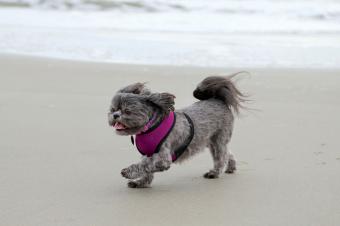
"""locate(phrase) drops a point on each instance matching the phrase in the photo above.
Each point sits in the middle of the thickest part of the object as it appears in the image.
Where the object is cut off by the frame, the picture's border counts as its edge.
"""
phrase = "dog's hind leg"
(219, 155)
(142, 182)
(231, 163)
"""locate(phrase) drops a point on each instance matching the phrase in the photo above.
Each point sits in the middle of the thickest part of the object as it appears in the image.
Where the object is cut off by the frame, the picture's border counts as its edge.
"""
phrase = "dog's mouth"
(123, 129)
(120, 126)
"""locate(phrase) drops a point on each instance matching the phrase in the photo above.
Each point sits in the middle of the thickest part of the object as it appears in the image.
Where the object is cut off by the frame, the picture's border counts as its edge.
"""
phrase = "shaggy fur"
(213, 118)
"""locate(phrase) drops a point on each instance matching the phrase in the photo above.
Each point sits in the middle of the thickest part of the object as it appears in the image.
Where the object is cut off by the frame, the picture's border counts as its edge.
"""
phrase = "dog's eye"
(112, 110)
(128, 112)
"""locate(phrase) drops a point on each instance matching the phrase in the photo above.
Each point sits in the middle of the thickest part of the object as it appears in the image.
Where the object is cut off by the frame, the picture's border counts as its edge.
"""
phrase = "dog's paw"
(211, 175)
(231, 167)
(132, 184)
(126, 172)
(136, 184)
(131, 172)
(230, 170)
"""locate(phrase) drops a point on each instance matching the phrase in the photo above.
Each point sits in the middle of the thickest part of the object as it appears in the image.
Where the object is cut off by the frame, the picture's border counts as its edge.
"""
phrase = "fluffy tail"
(222, 88)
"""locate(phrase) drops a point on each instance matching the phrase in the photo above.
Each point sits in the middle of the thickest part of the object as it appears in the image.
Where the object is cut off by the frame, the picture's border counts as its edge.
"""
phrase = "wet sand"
(60, 162)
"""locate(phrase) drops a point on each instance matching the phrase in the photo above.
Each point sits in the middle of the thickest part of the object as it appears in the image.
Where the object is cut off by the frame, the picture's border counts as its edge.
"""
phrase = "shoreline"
(57, 60)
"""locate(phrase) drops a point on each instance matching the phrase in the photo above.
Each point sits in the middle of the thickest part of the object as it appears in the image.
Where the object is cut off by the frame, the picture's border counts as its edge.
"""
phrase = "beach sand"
(60, 162)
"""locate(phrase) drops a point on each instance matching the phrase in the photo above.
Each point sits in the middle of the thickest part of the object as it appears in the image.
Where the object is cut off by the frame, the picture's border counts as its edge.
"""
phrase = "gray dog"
(164, 135)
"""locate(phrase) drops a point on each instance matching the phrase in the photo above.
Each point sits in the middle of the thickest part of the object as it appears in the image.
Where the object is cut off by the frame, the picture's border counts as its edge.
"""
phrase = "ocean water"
(217, 33)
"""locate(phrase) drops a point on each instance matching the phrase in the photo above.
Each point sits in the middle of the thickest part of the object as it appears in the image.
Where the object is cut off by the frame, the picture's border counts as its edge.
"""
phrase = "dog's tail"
(222, 88)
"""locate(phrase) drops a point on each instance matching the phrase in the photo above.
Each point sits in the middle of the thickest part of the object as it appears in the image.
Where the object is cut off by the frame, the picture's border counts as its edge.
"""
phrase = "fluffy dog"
(208, 123)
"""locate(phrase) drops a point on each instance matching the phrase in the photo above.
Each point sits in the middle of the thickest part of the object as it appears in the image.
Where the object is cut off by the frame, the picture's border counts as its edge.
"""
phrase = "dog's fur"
(212, 116)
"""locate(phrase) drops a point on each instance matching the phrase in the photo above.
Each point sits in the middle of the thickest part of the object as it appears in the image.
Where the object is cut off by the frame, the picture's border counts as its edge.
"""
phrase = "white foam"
(243, 33)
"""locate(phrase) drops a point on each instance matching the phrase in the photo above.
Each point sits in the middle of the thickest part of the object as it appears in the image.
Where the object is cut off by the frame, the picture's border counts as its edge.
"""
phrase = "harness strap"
(180, 150)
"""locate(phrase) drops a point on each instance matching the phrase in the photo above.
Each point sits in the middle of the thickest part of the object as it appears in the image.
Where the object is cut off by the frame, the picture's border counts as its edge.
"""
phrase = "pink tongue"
(119, 126)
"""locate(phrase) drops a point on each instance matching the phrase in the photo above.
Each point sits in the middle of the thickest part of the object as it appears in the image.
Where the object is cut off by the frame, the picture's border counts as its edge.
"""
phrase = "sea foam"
(257, 33)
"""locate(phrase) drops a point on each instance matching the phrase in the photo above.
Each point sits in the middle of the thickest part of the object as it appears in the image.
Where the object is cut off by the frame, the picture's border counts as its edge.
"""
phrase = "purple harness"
(150, 141)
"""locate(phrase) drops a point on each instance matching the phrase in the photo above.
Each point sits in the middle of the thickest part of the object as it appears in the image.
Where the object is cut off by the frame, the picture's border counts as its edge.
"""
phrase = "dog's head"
(133, 106)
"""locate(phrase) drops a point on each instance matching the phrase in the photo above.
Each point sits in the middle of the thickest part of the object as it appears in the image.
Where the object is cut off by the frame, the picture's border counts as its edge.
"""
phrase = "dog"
(165, 136)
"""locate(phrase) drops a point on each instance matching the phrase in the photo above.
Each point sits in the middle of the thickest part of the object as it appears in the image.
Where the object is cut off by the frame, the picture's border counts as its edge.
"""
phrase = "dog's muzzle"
(111, 119)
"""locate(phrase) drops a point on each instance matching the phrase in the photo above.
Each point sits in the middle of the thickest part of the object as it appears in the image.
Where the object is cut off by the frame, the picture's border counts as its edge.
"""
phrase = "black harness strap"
(180, 150)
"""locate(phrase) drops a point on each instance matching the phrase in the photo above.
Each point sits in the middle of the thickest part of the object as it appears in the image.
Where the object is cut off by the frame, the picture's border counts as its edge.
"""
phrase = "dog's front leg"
(134, 171)
(138, 170)
(159, 162)
(160, 166)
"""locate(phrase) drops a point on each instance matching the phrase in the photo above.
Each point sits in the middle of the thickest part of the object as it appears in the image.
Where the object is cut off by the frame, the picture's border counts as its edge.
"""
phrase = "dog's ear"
(136, 88)
(165, 101)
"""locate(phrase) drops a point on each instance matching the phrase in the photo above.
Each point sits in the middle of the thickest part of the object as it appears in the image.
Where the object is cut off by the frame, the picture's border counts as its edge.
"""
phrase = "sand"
(60, 162)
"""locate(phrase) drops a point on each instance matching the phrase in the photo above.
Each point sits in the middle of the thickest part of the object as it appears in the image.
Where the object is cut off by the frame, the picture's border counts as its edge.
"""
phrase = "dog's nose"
(116, 115)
